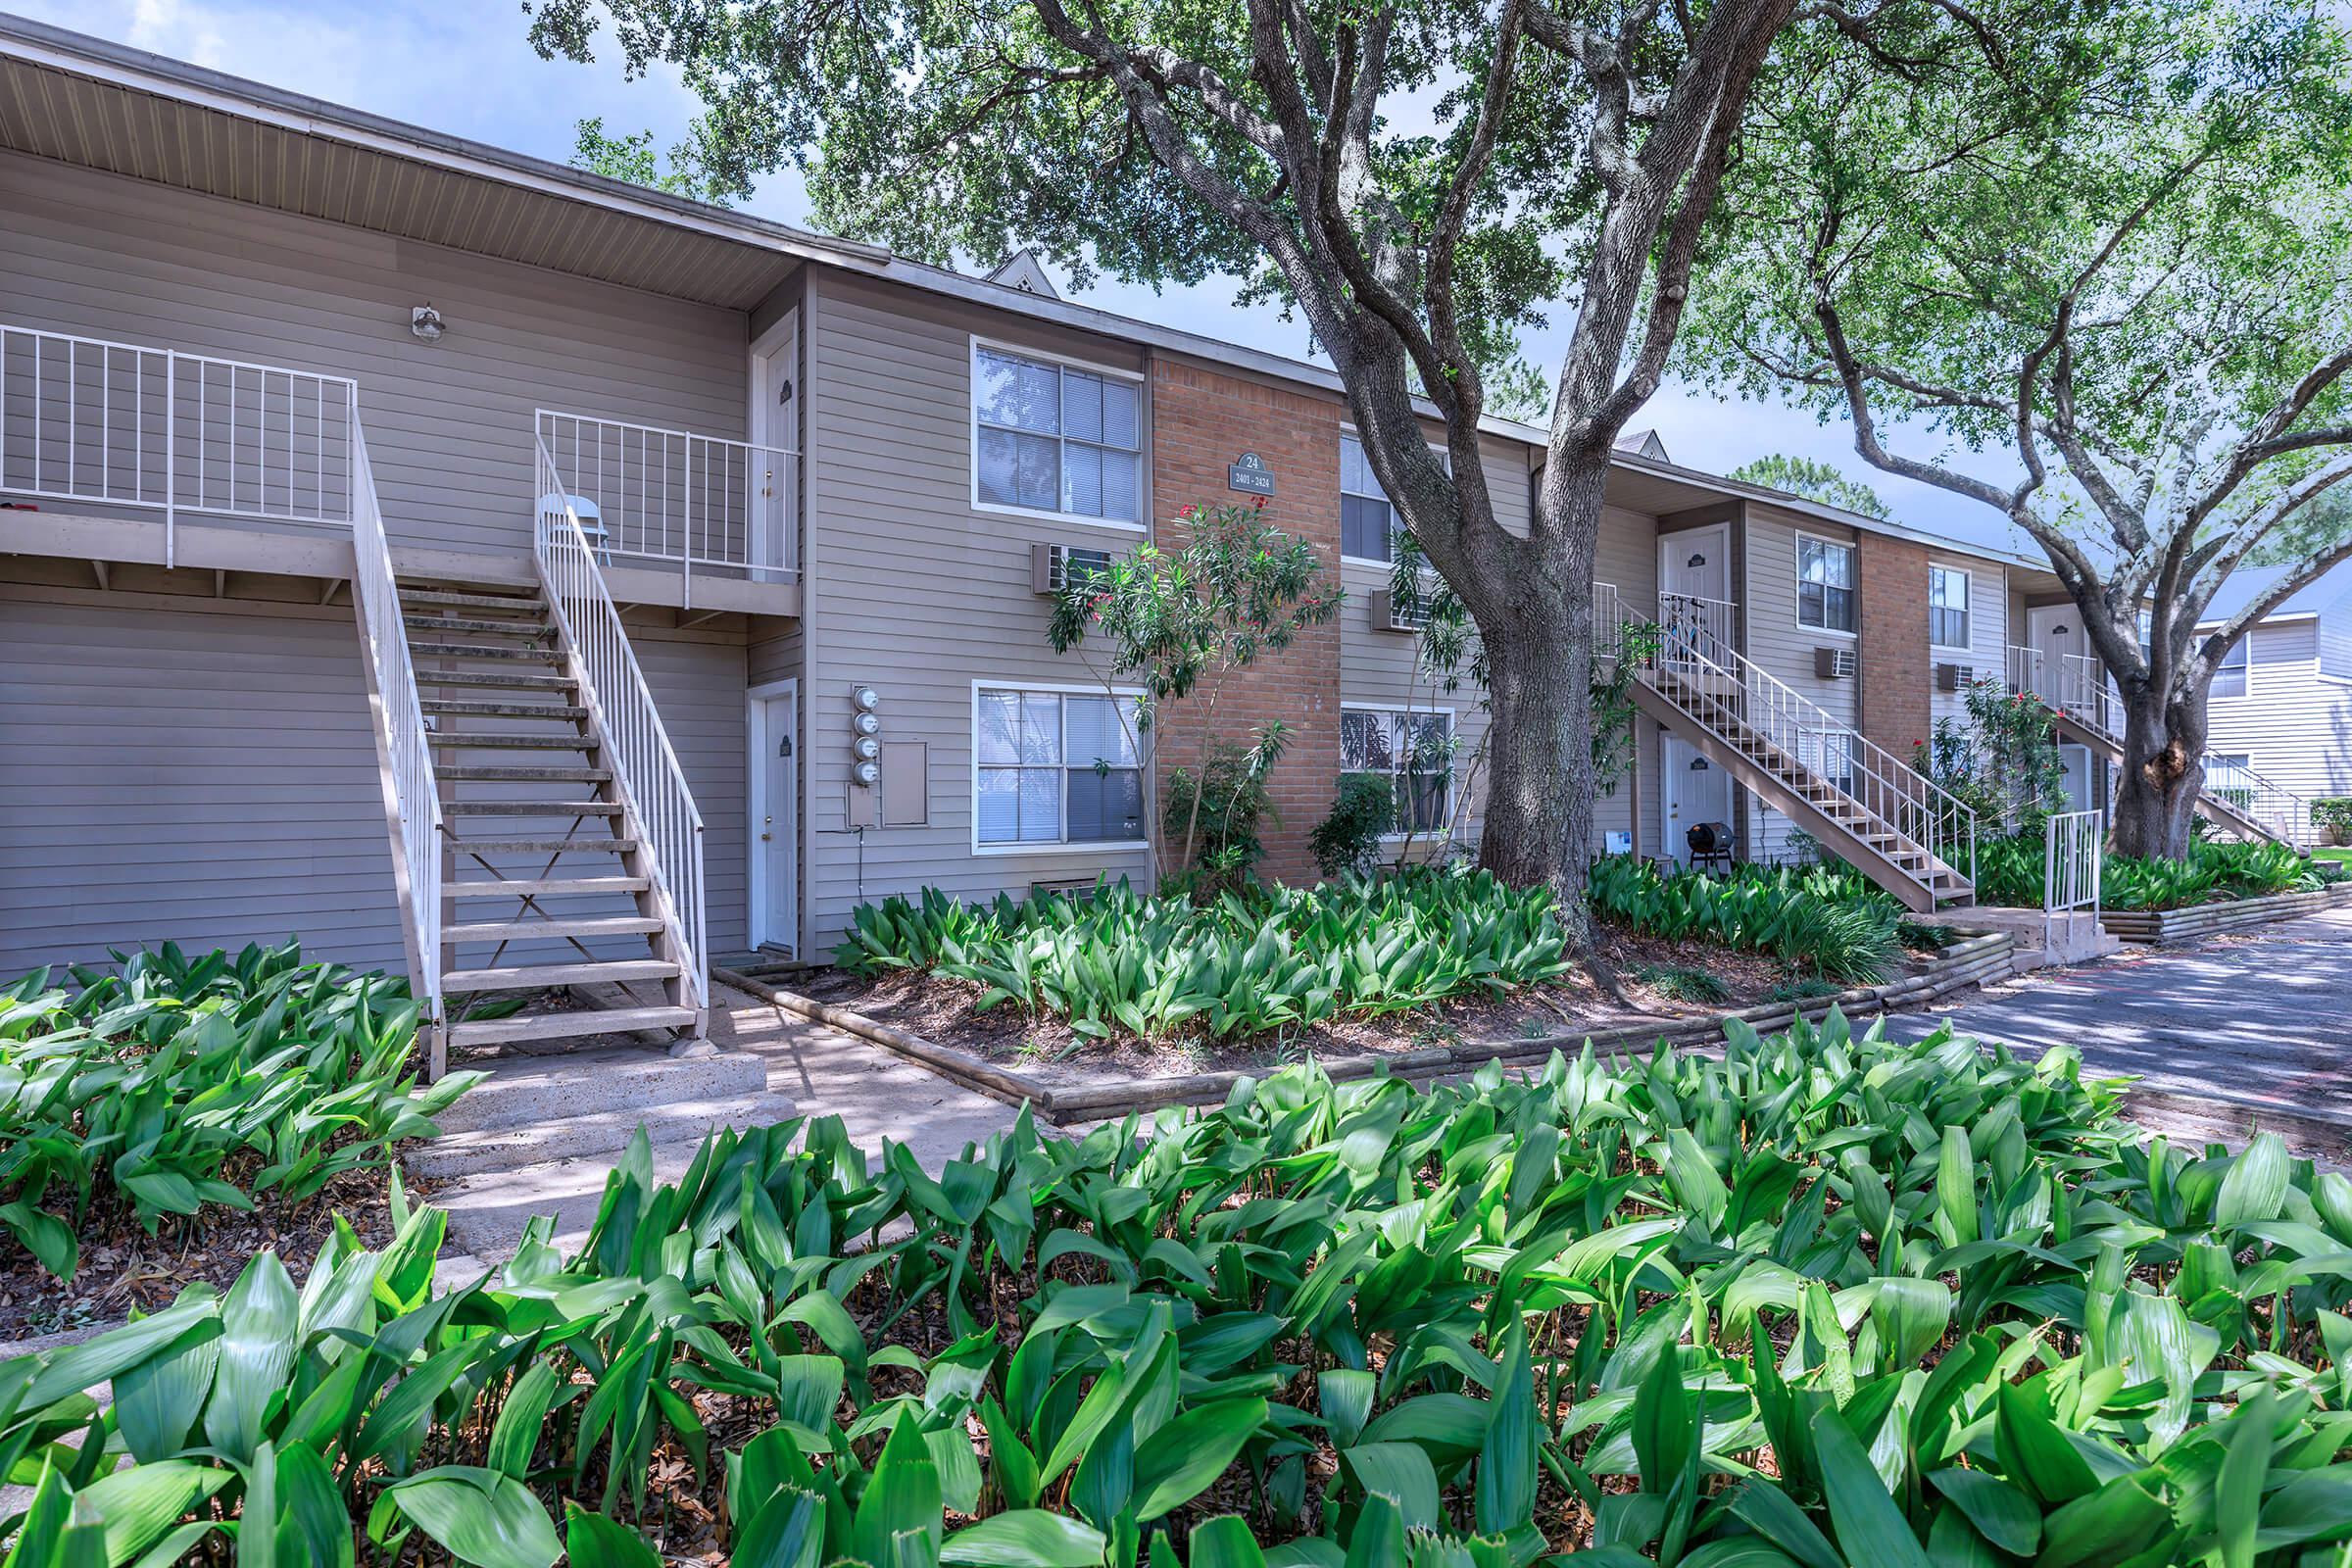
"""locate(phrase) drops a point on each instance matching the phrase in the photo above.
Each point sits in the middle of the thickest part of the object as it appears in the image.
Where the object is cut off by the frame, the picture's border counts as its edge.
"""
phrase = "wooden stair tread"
(544, 976)
(601, 925)
(562, 1025)
(438, 650)
(451, 600)
(522, 680)
(545, 845)
(530, 808)
(491, 628)
(546, 887)
(507, 741)
(525, 772)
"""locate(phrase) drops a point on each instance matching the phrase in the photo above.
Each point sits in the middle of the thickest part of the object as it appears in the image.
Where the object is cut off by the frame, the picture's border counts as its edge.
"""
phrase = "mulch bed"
(1047, 1049)
(123, 1268)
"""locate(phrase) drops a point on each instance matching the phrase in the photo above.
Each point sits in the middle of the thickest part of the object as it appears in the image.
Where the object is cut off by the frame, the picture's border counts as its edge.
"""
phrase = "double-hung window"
(2229, 675)
(1367, 522)
(1054, 438)
(1825, 584)
(1948, 608)
(1054, 767)
(1368, 525)
(1412, 749)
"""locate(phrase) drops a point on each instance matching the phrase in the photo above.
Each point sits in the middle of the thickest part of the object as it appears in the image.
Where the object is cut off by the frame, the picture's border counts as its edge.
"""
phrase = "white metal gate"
(2073, 854)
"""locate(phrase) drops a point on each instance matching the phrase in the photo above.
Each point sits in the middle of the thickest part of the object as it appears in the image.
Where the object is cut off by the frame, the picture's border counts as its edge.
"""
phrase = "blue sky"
(464, 67)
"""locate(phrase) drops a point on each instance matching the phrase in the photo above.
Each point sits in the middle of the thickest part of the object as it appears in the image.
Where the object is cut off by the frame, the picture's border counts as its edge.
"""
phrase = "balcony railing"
(643, 493)
(121, 425)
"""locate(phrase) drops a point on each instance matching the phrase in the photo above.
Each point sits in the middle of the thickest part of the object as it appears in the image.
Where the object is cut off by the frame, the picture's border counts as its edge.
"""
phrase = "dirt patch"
(123, 1268)
(1656, 976)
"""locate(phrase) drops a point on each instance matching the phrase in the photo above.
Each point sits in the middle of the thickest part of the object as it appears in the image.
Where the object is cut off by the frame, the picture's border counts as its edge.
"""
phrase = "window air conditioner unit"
(1389, 615)
(1049, 566)
(1955, 678)
(1833, 663)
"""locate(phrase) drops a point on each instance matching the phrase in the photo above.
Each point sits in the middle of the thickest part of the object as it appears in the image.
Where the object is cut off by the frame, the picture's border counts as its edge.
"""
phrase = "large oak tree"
(2105, 289)
(1416, 178)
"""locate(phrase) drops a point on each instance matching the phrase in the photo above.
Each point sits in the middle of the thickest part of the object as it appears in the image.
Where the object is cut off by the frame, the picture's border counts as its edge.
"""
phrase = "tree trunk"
(1538, 814)
(2154, 811)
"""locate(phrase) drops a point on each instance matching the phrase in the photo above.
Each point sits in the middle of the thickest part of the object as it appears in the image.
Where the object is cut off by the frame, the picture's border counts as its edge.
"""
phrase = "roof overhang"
(99, 105)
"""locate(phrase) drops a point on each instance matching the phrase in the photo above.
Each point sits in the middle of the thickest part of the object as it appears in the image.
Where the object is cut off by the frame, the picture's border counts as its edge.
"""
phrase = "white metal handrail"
(2074, 859)
(643, 492)
(120, 425)
(2075, 685)
(411, 799)
(2265, 805)
(1727, 691)
(645, 765)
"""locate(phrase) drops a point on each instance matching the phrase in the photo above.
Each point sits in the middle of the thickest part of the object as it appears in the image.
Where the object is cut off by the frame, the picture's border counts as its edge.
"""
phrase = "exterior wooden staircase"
(1863, 803)
(2087, 713)
(549, 883)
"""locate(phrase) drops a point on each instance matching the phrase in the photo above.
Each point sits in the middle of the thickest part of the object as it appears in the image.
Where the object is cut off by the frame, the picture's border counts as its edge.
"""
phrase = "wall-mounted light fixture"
(425, 322)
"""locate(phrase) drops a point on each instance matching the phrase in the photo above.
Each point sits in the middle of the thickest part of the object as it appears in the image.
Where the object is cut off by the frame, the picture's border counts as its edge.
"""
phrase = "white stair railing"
(2074, 859)
(1728, 692)
(2075, 685)
(404, 746)
(646, 770)
(2263, 803)
(124, 426)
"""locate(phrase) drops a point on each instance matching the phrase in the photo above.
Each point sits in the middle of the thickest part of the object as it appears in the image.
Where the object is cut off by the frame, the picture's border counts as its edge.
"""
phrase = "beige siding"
(914, 591)
(1989, 628)
(1782, 647)
(202, 773)
(449, 425)
(2294, 726)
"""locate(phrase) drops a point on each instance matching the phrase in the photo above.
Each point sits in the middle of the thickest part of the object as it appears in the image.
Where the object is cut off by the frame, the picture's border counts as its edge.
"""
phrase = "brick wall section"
(1892, 662)
(1202, 421)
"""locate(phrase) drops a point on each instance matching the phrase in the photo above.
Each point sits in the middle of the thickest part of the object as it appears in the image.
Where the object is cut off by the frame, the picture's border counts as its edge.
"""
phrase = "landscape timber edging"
(2164, 928)
(1975, 959)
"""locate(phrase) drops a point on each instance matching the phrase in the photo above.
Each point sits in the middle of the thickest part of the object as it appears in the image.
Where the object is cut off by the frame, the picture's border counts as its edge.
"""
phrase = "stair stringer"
(1834, 836)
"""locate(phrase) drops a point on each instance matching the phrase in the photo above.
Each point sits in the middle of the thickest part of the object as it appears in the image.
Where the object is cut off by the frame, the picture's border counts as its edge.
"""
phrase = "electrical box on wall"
(865, 756)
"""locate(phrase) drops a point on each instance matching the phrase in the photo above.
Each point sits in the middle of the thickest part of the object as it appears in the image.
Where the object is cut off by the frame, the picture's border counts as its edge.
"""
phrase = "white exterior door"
(1695, 791)
(2076, 779)
(775, 739)
(775, 425)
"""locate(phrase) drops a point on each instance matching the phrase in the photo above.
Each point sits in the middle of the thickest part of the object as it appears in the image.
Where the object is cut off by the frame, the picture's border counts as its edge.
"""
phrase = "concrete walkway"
(821, 1070)
(2246, 1031)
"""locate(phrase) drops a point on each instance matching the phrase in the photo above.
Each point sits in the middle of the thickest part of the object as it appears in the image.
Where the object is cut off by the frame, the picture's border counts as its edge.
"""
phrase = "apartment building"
(484, 569)
(2281, 704)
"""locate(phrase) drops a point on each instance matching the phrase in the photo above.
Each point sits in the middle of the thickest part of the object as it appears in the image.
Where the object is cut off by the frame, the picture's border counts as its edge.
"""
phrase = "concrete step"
(517, 679)
(441, 650)
(525, 772)
(530, 808)
(602, 1133)
(464, 932)
(493, 707)
(568, 1025)
(544, 846)
(546, 976)
(546, 887)
(530, 1091)
(505, 741)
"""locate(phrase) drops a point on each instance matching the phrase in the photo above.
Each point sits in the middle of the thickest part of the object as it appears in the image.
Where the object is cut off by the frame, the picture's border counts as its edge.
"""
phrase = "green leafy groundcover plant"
(1828, 918)
(1255, 958)
(1819, 1300)
(2009, 874)
(181, 1082)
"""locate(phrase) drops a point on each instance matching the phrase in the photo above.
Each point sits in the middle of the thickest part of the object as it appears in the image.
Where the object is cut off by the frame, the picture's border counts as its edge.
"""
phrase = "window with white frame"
(2229, 675)
(1825, 584)
(1414, 749)
(1054, 437)
(1368, 525)
(1830, 755)
(1948, 608)
(1055, 767)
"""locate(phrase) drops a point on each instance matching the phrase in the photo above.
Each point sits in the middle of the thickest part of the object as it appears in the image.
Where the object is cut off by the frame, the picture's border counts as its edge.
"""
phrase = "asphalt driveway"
(2241, 1032)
